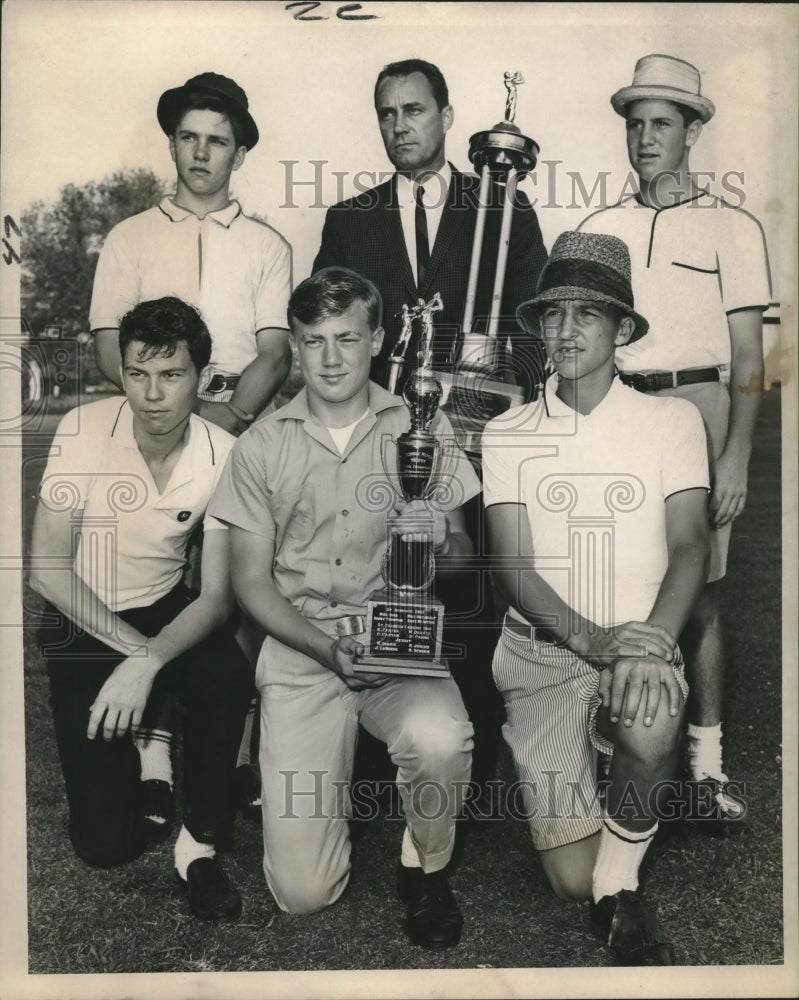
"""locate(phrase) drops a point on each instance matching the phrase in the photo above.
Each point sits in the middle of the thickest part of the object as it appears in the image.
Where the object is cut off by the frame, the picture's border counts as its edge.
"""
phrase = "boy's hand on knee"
(633, 682)
(340, 661)
(630, 639)
(123, 697)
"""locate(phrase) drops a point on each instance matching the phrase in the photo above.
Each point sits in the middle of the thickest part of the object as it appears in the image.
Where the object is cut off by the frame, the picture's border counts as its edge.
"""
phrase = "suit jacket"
(365, 234)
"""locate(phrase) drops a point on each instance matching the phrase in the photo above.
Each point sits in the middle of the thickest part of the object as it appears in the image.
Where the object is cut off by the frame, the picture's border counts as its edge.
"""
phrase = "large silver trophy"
(480, 386)
(504, 156)
(404, 620)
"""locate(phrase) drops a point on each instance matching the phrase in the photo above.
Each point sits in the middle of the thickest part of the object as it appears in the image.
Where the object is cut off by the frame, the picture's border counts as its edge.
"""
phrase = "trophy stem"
(502, 255)
(477, 246)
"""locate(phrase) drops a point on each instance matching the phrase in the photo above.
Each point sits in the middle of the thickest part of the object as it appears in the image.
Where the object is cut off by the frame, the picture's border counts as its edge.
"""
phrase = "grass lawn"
(721, 901)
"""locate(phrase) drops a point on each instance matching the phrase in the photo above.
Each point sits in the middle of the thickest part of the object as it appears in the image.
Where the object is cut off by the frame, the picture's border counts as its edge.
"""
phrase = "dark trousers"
(212, 682)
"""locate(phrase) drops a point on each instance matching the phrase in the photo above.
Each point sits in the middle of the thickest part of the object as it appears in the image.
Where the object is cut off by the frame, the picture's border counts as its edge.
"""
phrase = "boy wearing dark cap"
(198, 245)
(596, 505)
(700, 273)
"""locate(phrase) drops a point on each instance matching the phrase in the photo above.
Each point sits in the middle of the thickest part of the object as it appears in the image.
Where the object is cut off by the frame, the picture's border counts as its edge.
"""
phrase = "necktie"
(422, 244)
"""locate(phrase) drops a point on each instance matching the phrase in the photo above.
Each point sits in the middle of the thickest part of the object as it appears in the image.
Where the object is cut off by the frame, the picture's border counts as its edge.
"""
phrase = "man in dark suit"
(377, 233)
(412, 237)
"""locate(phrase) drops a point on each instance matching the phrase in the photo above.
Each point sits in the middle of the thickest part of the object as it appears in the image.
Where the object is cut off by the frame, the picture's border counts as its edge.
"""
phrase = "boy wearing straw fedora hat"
(700, 273)
(595, 499)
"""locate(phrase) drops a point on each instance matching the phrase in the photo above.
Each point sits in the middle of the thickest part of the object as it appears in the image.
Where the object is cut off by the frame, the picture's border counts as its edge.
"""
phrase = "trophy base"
(398, 665)
(403, 635)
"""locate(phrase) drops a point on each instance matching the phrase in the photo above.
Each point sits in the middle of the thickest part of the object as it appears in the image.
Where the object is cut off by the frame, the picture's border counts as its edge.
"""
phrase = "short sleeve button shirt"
(324, 510)
(132, 543)
(594, 487)
(692, 264)
(234, 269)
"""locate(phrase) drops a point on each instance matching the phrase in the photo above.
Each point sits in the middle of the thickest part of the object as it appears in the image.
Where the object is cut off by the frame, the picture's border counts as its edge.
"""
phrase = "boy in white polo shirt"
(701, 276)
(127, 482)
(596, 504)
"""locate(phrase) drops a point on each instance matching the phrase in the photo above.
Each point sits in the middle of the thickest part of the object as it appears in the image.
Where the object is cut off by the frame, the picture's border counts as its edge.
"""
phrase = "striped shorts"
(551, 700)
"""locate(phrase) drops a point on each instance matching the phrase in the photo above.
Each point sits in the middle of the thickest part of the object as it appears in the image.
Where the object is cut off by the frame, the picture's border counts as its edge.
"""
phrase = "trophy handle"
(440, 488)
(393, 477)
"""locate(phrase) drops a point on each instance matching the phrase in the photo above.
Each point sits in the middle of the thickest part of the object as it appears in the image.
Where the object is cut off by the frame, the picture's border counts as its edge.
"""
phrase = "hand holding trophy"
(404, 621)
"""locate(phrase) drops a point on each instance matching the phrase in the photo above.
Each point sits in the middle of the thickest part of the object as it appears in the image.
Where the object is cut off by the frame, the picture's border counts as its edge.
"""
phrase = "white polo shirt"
(692, 265)
(132, 540)
(234, 269)
(594, 488)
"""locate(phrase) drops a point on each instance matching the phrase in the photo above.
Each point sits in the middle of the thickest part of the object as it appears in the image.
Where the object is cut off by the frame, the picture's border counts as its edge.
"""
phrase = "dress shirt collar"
(297, 409)
(436, 188)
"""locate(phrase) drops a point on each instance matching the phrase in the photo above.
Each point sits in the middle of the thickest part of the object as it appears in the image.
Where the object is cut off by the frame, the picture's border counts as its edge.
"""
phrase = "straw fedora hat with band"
(665, 78)
(590, 266)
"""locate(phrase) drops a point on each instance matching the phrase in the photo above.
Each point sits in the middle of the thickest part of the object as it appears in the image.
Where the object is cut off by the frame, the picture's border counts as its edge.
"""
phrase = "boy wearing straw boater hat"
(700, 273)
(199, 246)
(596, 505)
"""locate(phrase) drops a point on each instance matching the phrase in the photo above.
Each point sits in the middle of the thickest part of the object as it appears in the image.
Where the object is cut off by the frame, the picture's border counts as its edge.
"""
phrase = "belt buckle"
(675, 379)
(217, 383)
(638, 381)
(350, 625)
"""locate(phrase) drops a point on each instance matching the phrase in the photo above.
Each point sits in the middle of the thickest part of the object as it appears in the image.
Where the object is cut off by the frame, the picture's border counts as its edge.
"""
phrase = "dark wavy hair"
(331, 292)
(162, 325)
(407, 66)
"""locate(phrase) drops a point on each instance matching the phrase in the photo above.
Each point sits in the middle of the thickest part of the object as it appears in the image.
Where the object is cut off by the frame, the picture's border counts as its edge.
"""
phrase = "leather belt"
(220, 383)
(652, 381)
(535, 633)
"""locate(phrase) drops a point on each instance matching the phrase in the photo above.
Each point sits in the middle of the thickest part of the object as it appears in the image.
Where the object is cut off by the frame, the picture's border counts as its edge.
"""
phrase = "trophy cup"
(404, 621)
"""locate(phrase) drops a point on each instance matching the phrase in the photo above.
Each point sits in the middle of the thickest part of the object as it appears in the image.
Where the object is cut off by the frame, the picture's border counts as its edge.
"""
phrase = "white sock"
(620, 855)
(704, 752)
(246, 737)
(154, 746)
(410, 856)
(705, 761)
(187, 849)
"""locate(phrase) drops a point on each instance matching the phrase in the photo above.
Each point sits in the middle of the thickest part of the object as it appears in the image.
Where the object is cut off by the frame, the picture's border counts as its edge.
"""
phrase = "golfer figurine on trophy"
(404, 621)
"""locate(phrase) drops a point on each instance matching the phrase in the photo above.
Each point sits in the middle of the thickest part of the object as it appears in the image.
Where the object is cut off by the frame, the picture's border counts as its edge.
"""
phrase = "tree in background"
(61, 242)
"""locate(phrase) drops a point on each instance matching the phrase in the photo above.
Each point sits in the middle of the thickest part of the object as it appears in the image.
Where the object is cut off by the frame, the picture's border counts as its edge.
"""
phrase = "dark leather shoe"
(433, 919)
(714, 808)
(631, 930)
(247, 791)
(212, 896)
(158, 808)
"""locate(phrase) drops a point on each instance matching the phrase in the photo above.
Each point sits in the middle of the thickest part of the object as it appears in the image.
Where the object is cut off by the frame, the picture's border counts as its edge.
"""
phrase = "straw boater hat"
(588, 266)
(172, 102)
(665, 78)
